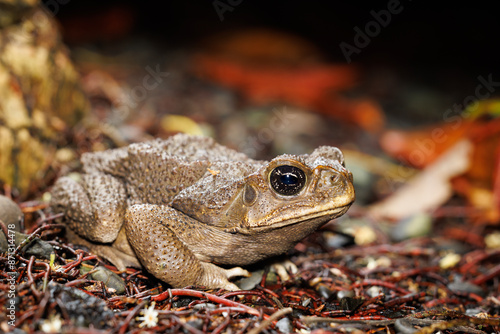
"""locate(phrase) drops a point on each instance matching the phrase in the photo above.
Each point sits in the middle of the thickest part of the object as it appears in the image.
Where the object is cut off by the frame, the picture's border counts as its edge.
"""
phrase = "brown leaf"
(429, 189)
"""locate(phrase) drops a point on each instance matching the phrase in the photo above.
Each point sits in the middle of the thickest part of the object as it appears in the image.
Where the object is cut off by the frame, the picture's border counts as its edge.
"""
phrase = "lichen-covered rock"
(12, 11)
(10, 213)
(40, 94)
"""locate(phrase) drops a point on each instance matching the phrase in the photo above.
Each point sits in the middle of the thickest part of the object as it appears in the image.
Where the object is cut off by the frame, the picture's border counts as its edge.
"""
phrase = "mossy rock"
(40, 94)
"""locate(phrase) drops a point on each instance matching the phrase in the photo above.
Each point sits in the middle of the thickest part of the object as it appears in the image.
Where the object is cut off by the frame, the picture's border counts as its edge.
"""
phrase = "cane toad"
(184, 205)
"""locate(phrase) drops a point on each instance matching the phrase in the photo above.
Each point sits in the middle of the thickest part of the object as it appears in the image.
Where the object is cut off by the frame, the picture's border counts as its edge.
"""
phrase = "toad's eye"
(287, 180)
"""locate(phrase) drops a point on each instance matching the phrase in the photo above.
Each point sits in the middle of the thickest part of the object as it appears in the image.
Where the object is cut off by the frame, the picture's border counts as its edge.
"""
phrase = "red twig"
(199, 294)
(31, 281)
(129, 317)
(493, 272)
(402, 300)
(385, 284)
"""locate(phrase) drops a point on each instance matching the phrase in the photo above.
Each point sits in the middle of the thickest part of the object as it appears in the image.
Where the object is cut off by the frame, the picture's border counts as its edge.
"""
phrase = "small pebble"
(345, 293)
(53, 324)
(381, 262)
(449, 260)
(492, 240)
(10, 213)
(248, 283)
(474, 312)
(459, 286)
(402, 326)
(415, 226)
(334, 240)
(284, 325)
(324, 291)
(110, 279)
(271, 278)
(364, 235)
(374, 291)
(205, 306)
(37, 247)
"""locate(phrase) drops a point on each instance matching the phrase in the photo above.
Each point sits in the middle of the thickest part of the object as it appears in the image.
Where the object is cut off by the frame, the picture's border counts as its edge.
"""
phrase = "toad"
(185, 206)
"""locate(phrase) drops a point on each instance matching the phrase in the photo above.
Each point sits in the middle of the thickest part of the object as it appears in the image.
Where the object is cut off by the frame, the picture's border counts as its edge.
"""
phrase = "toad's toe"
(237, 271)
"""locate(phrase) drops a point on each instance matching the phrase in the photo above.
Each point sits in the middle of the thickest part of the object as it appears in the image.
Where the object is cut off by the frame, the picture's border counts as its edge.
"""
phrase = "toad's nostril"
(335, 178)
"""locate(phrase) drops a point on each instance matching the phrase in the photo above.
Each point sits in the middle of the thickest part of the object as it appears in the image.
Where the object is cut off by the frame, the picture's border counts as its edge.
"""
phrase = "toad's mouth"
(319, 216)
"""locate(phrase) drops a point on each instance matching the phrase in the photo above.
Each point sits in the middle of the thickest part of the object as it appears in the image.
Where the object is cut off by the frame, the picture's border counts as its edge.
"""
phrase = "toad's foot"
(165, 256)
(282, 268)
(217, 277)
(237, 271)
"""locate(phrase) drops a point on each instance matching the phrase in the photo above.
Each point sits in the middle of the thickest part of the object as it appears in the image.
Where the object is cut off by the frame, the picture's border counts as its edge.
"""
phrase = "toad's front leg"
(165, 255)
(94, 210)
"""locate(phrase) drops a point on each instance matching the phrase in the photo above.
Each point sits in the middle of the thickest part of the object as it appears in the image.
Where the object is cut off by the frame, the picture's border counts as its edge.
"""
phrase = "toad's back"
(155, 171)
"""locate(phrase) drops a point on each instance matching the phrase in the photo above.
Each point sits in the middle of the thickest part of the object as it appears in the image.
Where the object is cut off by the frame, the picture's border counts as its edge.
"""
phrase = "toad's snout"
(333, 182)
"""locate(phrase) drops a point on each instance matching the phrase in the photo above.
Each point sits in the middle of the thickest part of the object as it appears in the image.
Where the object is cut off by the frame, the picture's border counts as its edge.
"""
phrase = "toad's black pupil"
(287, 180)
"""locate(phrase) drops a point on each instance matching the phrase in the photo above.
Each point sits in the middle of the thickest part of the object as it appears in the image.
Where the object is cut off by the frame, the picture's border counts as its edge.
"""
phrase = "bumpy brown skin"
(179, 205)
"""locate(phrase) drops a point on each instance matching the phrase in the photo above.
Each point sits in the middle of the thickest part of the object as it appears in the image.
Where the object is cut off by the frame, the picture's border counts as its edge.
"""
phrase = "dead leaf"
(421, 147)
(262, 46)
(429, 189)
(289, 71)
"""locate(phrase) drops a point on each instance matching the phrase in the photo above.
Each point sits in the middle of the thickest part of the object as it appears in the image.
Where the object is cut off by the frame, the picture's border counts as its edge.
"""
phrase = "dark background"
(444, 47)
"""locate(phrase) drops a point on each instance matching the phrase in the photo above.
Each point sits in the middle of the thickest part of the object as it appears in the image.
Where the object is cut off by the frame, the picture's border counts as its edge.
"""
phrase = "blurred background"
(424, 50)
(422, 38)
(395, 84)
(408, 90)
(441, 46)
